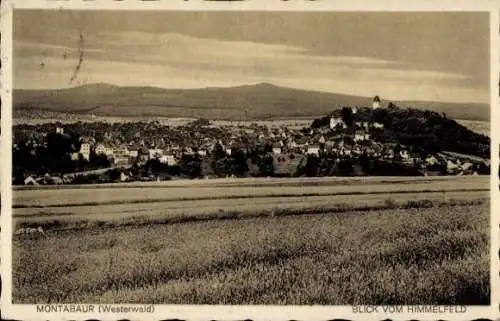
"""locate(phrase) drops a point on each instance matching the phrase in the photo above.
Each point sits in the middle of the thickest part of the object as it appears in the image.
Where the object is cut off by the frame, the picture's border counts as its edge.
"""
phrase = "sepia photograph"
(251, 158)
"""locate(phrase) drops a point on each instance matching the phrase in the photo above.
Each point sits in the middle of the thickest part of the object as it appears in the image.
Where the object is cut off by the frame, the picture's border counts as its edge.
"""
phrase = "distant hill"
(261, 101)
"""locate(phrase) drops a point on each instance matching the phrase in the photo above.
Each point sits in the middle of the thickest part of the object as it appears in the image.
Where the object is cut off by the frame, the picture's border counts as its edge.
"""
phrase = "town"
(351, 141)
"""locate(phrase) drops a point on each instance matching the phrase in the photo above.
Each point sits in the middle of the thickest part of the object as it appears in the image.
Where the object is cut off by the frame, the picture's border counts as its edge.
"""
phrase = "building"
(168, 159)
(362, 124)
(121, 151)
(313, 150)
(74, 156)
(361, 136)
(123, 177)
(334, 122)
(378, 125)
(404, 155)
(376, 102)
(85, 150)
(276, 149)
(121, 161)
(431, 160)
(133, 153)
(59, 130)
(100, 149)
(30, 181)
(155, 153)
(110, 151)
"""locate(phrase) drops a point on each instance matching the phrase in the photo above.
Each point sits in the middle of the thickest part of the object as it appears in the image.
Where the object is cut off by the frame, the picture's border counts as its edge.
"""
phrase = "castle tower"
(376, 102)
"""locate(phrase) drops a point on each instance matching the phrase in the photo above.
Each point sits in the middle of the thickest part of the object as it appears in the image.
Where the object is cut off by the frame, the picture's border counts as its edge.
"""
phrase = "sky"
(440, 56)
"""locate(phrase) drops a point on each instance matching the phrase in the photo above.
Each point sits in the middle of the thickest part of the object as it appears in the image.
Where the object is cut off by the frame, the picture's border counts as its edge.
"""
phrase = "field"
(477, 126)
(260, 241)
(43, 117)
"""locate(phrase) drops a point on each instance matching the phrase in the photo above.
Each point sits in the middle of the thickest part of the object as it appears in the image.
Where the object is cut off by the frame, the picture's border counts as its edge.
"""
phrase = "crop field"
(256, 241)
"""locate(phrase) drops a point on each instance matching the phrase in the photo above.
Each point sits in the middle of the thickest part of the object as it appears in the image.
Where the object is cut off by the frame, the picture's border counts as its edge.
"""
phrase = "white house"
(100, 149)
(404, 155)
(30, 181)
(467, 165)
(121, 151)
(110, 151)
(168, 159)
(450, 165)
(431, 160)
(362, 124)
(85, 150)
(155, 153)
(378, 125)
(123, 177)
(133, 153)
(313, 149)
(334, 122)
(361, 136)
(277, 149)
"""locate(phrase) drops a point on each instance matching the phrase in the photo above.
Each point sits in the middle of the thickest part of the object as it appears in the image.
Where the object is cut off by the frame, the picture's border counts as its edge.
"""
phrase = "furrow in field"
(217, 208)
(74, 197)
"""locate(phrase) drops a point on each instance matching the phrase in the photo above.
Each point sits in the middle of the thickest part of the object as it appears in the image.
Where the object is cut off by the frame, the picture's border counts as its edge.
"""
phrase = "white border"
(205, 312)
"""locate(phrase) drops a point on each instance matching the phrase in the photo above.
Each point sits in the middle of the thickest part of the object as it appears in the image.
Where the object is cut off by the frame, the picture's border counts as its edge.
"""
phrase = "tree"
(190, 166)
(238, 163)
(266, 165)
(347, 116)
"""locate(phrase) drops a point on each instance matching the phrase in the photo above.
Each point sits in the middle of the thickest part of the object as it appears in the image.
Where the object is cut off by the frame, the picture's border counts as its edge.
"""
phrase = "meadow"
(310, 241)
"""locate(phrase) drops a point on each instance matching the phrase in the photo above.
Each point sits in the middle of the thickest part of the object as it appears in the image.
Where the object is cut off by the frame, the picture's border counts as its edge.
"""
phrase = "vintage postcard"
(263, 160)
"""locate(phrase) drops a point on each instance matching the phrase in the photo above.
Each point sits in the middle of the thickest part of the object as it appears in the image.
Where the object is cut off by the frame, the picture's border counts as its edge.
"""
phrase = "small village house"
(313, 150)
(133, 153)
(168, 159)
(100, 149)
(85, 150)
(155, 153)
(361, 136)
(30, 181)
(110, 151)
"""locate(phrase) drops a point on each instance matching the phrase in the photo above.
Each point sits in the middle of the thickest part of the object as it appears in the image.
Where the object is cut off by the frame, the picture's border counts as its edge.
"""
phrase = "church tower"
(376, 102)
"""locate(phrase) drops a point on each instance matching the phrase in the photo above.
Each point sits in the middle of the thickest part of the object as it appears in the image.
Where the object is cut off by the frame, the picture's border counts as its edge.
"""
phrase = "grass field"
(371, 241)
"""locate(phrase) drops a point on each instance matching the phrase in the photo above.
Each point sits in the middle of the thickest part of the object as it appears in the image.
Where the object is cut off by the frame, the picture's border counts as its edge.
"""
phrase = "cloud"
(173, 60)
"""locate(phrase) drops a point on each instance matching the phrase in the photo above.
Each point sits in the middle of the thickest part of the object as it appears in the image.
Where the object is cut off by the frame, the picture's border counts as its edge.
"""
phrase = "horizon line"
(265, 83)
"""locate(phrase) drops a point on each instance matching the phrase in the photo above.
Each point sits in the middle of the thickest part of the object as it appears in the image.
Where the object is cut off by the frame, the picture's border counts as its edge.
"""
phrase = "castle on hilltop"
(376, 102)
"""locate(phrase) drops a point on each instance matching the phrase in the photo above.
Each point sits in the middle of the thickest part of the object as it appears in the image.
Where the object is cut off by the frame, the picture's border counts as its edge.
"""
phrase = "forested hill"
(421, 130)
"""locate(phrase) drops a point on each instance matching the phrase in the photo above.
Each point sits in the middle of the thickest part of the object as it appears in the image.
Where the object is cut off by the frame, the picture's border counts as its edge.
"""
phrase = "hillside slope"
(421, 130)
